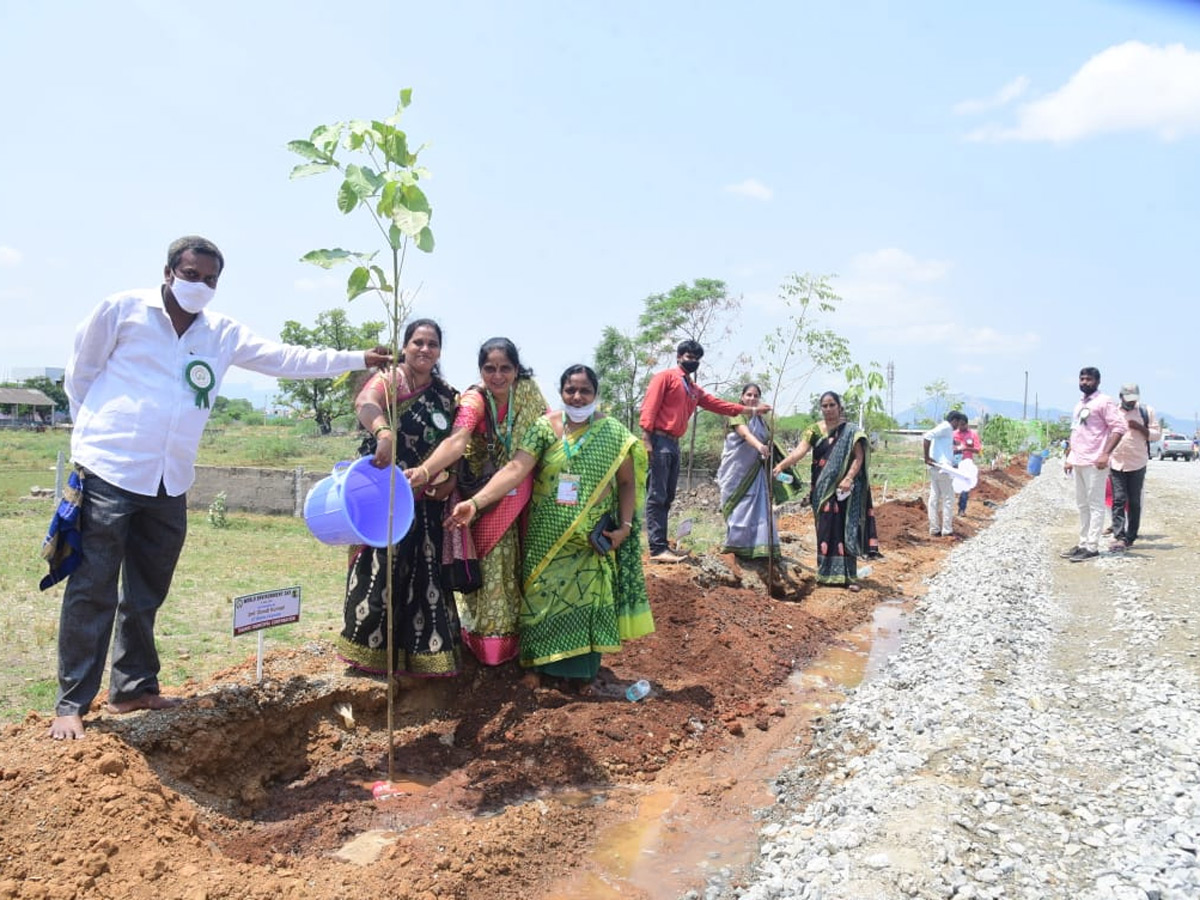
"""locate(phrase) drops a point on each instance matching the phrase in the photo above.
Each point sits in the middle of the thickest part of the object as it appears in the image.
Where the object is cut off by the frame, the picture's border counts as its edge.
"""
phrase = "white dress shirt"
(137, 423)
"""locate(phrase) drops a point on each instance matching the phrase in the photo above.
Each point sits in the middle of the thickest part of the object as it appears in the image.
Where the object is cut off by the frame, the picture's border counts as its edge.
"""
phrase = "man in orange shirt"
(671, 399)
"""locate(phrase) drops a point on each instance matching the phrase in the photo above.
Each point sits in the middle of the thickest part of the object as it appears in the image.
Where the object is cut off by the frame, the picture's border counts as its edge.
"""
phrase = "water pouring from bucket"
(350, 505)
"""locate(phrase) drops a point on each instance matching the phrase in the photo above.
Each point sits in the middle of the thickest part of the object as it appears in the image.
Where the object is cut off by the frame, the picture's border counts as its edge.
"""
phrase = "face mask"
(690, 365)
(192, 296)
(580, 413)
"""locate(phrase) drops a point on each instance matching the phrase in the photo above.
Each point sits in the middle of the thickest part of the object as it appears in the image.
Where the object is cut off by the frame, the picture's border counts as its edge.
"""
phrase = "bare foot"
(531, 680)
(67, 728)
(146, 701)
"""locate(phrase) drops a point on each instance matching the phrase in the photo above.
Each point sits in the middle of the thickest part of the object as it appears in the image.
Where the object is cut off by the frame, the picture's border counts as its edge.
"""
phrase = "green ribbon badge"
(200, 378)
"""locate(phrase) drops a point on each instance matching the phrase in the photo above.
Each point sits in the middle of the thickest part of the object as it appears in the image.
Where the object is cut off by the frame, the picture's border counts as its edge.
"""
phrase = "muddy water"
(679, 835)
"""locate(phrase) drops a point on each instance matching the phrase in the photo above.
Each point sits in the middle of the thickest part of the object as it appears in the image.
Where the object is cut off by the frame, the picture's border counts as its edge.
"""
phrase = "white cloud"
(1127, 87)
(1002, 97)
(752, 188)
(9, 256)
(889, 295)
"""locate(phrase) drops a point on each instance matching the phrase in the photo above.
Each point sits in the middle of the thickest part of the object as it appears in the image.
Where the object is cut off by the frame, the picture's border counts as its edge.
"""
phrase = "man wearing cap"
(1096, 428)
(1128, 466)
(142, 379)
(671, 399)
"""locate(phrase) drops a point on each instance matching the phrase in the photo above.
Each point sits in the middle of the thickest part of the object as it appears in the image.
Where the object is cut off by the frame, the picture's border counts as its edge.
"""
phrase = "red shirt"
(671, 399)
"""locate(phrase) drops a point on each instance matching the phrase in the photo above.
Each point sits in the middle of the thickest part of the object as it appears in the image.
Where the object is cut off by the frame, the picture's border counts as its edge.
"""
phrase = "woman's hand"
(846, 484)
(417, 478)
(618, 536)
(383, 448)
(462, 514)
(441, 487)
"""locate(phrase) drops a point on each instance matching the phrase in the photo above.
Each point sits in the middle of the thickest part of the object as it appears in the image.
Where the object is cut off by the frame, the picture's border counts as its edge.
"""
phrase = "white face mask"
(580, 413)
(192, 296)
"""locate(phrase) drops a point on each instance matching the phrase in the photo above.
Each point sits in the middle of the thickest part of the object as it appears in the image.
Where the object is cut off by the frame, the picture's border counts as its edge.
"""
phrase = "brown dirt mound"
(256, 790)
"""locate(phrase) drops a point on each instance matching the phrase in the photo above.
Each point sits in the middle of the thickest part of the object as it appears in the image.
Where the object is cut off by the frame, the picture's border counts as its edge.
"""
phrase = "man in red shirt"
(671, 399)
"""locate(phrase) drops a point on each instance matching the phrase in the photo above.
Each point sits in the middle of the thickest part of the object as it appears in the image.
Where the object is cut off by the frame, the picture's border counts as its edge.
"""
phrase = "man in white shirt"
(939, 458)
(142, 379)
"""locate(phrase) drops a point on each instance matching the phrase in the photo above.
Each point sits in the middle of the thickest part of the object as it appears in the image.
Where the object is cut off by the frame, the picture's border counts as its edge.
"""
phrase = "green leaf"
(363, 181)
(307, 149)
(347, 198)
(358, 282)
(425, 240)
(405, 97)
(327, 259)
(381, 281)
(387, 200)
(305, 169)
(414, 198)
(325, 137)
(395, 237)
(410, 221)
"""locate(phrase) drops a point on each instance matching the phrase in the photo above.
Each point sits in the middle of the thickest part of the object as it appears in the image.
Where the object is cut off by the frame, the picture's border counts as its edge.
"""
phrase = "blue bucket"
(350, 505)
(1034, 466)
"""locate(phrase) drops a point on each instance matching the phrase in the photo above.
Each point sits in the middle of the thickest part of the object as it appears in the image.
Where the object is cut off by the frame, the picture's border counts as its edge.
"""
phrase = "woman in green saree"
(580, 601)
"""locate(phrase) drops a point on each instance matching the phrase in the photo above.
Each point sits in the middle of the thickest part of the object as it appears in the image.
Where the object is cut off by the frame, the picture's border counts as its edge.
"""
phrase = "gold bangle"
(421, 468)
(381, 428)
(474, 503)
(628, 525)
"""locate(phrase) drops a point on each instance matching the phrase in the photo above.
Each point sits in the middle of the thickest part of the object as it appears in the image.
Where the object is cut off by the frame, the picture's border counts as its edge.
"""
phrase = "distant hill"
(975, 407)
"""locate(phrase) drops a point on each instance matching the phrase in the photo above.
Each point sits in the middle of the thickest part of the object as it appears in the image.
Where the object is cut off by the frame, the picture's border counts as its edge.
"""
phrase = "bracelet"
(421, 468)
(475, 504)
(628, 525)
(381, 428)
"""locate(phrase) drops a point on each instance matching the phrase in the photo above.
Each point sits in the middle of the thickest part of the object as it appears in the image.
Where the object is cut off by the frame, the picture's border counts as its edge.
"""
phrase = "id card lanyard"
(505, 433)
(568, 483)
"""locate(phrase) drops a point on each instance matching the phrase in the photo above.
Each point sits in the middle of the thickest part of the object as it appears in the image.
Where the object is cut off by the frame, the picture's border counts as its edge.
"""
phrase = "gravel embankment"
(1036, 735)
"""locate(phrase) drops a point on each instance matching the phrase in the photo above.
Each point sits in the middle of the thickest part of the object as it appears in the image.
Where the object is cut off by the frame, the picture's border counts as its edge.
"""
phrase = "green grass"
(195, 625)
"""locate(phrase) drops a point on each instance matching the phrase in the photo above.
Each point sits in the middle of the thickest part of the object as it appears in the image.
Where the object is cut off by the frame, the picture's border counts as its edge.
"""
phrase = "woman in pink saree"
(492, 418)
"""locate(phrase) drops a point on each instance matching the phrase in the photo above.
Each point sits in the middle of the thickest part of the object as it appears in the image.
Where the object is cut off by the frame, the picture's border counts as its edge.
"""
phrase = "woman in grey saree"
(750, 528)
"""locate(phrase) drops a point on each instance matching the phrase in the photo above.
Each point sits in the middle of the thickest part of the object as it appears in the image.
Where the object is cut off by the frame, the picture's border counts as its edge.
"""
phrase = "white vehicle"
(1176, 446)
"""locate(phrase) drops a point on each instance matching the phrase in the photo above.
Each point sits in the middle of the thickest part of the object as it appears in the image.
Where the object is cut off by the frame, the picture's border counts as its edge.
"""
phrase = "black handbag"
(599, 541)
(461, 570)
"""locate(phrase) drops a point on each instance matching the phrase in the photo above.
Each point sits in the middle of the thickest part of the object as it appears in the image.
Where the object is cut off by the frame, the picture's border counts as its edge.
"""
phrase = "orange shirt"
(671, 399)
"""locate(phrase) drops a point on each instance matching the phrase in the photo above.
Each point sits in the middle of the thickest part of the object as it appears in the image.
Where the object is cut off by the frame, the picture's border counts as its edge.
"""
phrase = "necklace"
(411, 379)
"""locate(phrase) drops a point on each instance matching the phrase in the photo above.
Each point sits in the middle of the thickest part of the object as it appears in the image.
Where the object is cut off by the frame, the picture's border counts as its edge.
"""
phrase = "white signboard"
(266, 609)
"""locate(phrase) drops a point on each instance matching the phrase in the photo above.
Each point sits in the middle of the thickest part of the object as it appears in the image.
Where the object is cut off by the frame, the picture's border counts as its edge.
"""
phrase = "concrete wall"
(273, 491)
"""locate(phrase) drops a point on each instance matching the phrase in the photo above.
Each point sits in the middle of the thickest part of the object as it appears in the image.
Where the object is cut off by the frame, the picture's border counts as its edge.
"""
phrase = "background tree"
(863, 397)
(702, 311)
(227, 410)
(326, 399)
(623, 372)
(939, 400)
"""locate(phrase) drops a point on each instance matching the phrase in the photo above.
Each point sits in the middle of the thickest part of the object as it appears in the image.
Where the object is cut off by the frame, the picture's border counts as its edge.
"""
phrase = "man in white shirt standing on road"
(939, 460)
(142, 379)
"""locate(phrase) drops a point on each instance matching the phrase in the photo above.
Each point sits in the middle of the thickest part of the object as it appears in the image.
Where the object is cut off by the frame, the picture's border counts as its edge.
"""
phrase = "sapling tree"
(380, 179)
(794, 352)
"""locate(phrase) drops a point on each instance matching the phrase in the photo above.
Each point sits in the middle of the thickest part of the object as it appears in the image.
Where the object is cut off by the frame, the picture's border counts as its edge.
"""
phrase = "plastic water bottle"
(637, 690)
(784, 478)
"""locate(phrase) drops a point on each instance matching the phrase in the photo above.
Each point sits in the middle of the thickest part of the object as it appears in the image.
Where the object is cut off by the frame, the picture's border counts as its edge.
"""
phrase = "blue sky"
(1000, 189)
